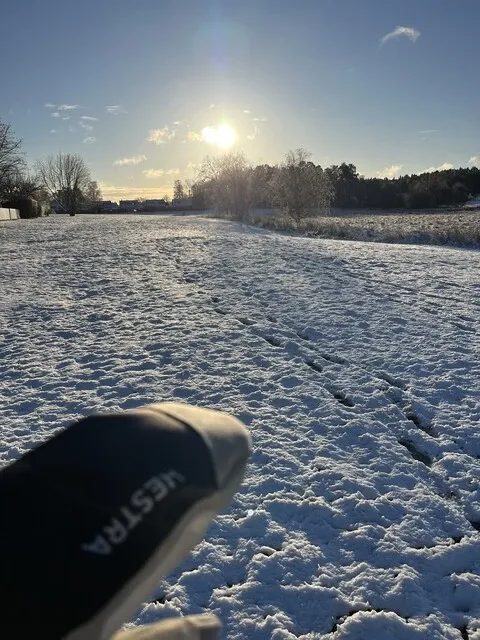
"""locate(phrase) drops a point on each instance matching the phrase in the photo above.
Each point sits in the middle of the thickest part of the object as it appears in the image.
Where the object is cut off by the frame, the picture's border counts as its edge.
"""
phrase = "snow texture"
(355, 366)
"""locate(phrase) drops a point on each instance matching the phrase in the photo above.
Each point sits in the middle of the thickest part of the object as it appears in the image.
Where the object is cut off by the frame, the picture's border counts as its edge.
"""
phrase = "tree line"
(301, 188)
(63, 179)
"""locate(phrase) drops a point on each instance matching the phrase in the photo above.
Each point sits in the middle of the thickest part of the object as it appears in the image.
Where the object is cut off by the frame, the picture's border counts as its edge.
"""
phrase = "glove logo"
(141, 502)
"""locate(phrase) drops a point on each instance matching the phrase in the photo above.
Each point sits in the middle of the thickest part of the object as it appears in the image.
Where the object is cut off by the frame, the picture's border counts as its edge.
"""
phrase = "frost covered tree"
(301, 189)
(178, 190)
(12, 162)
(67, 179)
(93, 192)
(227, 181)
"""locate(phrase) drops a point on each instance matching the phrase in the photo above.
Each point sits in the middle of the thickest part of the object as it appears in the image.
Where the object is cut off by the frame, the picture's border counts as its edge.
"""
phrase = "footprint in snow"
(246, 321)
(416, 453)
(341, 398)
(463, 327)
(275, 342)
(313, 365)
(334, 359)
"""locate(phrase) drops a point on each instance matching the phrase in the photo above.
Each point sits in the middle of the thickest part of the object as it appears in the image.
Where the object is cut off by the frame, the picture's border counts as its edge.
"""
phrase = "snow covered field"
(356, 367)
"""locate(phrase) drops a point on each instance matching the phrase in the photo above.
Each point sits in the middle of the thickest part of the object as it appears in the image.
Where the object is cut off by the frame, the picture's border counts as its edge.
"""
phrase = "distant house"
(182, 203)
(130, 205)
(154, 204)
(104, 206)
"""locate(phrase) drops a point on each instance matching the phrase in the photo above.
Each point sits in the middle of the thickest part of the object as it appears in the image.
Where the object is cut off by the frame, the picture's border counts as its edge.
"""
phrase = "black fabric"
(82, 513)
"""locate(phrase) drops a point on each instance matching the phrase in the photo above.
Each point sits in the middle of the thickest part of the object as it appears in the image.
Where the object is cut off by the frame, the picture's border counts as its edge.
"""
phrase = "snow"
(356, 367)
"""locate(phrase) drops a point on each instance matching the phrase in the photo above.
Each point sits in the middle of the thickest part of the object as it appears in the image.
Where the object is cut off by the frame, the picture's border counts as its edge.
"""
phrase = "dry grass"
(456, 229)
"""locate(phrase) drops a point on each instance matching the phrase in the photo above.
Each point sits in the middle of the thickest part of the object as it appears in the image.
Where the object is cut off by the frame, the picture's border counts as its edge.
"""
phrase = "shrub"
(27, 207)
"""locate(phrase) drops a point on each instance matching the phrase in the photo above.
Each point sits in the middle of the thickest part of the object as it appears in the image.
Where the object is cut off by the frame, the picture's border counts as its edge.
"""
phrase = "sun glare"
(223, 136)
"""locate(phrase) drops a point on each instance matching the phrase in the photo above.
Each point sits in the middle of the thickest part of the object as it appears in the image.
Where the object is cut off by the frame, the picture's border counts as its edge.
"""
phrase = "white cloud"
(443, 167)
(88, 118)
(429, 131)
(49, 105)
(158, 173)
(390, 172)
(115, 109)
(474, 161)
(247, 112)
(87, 127)
(161, 136)
(65, 117)
(89, 140)
(132, 160)
(263, 119)
(55, 114)
(407, 32)
(194, 136)
(53, 131)
(68, 107)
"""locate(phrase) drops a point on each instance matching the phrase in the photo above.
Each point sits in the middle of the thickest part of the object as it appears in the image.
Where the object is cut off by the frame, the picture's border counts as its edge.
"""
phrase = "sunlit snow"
(355, 366)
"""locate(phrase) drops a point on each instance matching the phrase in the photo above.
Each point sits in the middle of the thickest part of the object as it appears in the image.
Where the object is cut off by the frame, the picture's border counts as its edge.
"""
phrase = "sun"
(223, 136)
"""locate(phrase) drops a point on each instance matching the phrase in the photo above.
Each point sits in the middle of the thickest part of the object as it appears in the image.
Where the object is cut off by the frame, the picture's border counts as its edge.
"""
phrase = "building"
(104, 206)
(130, 205)
(182, 203)
(151, 205)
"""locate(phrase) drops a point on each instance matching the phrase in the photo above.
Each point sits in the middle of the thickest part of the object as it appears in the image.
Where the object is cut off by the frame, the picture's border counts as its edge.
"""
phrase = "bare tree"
(188, 187)
(17, 184)
(178, 190)
(67, 179)
(301, 188)
(93, 192)
(12, 162)
(227, 179)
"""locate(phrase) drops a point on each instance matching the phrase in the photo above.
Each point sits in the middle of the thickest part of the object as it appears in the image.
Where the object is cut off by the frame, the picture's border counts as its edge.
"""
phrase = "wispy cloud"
(194, 136)
(158, 173)
(129, 161)
(443, 167)
(89, 140)
(257, 123)
(89, 118)
(114, 192)
(49, 105)
(72, 129)
(68, 107)
(161, 136)
(427, 132)
(53, 131)
(474, 161)
(65, 117)
(390, 172)
(87, 127)
(115, 109)
(55, 114)
(401, 32)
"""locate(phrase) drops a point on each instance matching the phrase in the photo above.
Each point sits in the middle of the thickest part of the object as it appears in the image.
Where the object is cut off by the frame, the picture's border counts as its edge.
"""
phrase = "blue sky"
(141, 87)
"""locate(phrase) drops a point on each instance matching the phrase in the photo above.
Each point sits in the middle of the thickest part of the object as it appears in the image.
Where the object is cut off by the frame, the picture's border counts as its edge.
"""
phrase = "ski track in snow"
(355, 366)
